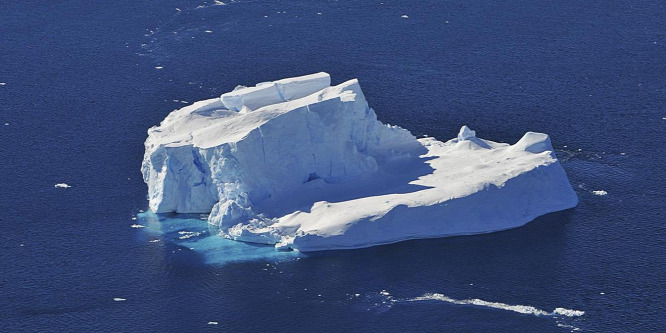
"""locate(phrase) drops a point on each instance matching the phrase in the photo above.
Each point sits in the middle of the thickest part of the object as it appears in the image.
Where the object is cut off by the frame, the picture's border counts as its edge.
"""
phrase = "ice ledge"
(267, 93)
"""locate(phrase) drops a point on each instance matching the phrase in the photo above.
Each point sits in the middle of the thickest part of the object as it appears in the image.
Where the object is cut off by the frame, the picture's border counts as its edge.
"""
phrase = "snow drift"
(305, 165)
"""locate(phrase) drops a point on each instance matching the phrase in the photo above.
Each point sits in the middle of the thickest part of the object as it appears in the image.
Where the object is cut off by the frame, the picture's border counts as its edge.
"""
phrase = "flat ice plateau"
(307, 166)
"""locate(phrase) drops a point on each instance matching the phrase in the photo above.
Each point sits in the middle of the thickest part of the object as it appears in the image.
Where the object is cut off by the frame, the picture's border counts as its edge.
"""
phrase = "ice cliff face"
(304, 165)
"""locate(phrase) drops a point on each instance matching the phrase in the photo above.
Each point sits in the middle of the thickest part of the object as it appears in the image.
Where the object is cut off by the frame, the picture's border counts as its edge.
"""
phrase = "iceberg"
(303, 165)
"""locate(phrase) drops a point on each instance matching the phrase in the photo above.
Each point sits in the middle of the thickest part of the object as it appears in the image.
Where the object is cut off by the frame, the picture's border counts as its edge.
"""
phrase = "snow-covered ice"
(62, 185)
(600, 192)
(304, 165)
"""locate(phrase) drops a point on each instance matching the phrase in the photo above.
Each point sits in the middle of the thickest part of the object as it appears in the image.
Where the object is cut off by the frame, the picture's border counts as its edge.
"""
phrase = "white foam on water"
(599, 193)
(523, 309)
(62, 185)
(567, 326)
(568, 312)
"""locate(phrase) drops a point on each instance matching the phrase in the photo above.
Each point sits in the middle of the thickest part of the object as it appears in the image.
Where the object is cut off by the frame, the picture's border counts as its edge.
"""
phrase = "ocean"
(82, 81)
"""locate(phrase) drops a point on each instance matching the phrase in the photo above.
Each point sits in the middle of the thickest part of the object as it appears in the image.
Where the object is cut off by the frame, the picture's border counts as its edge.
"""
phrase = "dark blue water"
(81, 89)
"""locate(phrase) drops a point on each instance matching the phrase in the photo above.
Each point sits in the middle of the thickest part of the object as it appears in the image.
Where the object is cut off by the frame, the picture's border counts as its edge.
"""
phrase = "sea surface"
(82, 81)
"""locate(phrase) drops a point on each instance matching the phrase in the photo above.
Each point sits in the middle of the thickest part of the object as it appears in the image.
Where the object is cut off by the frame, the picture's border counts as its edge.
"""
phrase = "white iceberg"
(305, 165)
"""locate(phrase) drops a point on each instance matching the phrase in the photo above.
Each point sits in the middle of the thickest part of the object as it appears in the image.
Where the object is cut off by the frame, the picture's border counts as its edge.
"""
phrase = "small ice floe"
(404, 16)
(599, 193)
(137, 226)
(6, 124)
(384, 293)
(209, 31)
(3, 83)
(212, 323)
(663, 118)
(154, 241)
(184, 102)
(219, 3)
(118, 299)
(134, 218)
(319, 13)
(159, 67)
(62, 185)
(602, 293)
(178, 10)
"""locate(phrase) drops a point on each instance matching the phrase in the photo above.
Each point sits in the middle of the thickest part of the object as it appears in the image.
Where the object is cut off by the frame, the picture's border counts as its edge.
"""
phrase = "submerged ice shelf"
(305, 165)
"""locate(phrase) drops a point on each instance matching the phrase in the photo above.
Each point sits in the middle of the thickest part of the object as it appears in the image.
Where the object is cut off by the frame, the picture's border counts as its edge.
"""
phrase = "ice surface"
(62, 185)
(304, 165)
